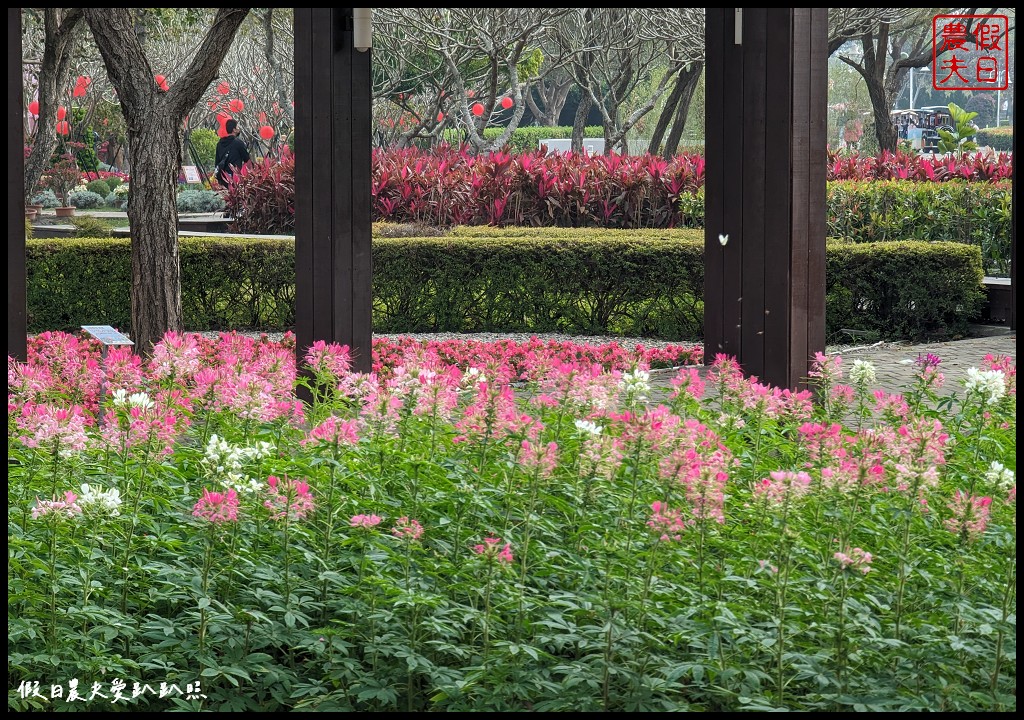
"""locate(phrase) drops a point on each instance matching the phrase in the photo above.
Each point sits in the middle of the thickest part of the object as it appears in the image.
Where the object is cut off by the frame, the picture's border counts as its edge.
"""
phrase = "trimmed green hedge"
(997, 138)
(532, 280)
(972, 213)
(527, 138)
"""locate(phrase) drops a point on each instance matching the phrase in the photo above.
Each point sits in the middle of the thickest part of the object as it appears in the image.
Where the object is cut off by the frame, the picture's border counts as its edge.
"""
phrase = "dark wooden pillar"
(764, 294)
(332, 184)
(17, 337)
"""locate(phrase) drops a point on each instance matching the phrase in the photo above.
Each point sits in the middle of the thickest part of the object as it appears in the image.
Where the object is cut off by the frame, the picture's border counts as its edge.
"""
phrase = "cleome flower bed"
(494, 535)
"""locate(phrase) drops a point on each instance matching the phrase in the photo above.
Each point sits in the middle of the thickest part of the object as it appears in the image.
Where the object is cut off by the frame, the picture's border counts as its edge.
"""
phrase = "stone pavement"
(894, 362)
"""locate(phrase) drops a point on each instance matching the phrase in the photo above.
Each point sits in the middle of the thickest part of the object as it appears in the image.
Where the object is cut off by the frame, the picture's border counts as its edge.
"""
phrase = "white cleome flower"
(989, 383)
(119, 397)
(1000, 475)
(107, 501)
(862, 374)
(635, 385)
(588, 428)
(140, 400)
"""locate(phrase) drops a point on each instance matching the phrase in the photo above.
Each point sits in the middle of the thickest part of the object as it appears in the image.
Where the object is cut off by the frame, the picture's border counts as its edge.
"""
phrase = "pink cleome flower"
(217, 507)
(970, 515)
(407, 529)
(366, 522)
(490, 551)
(855, 559)
(68, 507)
(288, 498)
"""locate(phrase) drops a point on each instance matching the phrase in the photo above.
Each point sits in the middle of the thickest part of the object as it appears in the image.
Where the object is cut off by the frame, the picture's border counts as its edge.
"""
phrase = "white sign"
(107, 335)
(192, 174)
(591, 146)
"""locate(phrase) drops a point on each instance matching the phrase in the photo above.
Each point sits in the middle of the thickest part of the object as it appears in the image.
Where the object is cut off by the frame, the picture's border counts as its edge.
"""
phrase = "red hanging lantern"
(506, 102)
(263, 118)
(221, 120)
(478, 109)
(63, 127)
(223, 88)
(62, 112)
(33, 108)
(79, 91)
(236, 106)
(213, 104)
(471, 93)
(440, 117)
(267, 132)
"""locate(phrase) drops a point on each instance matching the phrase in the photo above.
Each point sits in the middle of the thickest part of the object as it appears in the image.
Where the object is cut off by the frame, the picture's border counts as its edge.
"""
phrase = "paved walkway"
(894, 362)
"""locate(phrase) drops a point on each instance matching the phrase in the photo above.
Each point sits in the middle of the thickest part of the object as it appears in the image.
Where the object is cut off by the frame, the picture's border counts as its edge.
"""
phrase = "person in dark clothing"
(231, 152)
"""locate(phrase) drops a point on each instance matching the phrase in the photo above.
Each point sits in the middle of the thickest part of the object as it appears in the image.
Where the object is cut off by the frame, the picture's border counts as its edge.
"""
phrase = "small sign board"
(107, 335)
(192, 174)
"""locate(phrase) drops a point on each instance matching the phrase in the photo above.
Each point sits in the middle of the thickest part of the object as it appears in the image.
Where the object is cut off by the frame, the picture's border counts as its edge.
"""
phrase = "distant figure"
(231, 152)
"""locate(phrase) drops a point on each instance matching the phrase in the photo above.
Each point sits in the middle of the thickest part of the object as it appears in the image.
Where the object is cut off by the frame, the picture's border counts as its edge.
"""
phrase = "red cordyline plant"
(449, 186)
(261, 196)
(900, 165)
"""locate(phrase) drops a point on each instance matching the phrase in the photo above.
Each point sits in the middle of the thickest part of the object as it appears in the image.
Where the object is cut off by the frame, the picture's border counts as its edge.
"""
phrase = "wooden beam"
(332, 183)
(17, 329)
(764, 296)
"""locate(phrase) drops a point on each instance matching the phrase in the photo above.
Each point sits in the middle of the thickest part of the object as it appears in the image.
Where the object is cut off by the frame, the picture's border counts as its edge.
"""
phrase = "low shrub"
(204, 140)
(200, 201)
(100, 187)
(90, 227)
(972, 213)
(644, 283)
(113, 182)
(117, 200)
(999, 139)
(86, 200)
(46, 198)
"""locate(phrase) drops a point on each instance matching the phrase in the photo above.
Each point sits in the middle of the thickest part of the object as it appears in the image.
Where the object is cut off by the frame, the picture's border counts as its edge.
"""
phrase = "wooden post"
(764, 245)
(332, 184)
(17, 330)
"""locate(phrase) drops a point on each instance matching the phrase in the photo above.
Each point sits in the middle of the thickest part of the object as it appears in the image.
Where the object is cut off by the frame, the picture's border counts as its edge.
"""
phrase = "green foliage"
(116, 201)
(114, 182)
(917, 290)
(973, 213)
(47, 198)
(200, 201)
(100, 187)
(999, 139)
(87, 226)
(527, 139)
(86, 154)
(958, 140)
(205, 142)
(86, 200)
(646, 282)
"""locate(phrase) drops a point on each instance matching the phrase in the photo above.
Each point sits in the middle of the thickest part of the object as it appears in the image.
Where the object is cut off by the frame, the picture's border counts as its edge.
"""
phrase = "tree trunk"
(884, 130)
(154, 118)
(690, 79)
(579, 123)
(54, 74)
(153, 153)
(667, 112)
(552, 95)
